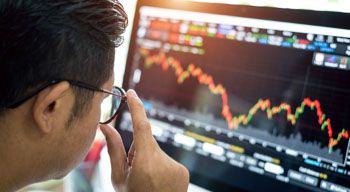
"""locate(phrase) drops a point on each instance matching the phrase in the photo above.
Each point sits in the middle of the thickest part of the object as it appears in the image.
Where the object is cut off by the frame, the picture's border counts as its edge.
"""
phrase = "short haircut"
(57, 39)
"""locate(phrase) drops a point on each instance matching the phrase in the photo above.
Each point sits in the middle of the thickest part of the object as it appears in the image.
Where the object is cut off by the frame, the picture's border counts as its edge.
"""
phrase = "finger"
(131, 153)
(142, 129)
(117, 154)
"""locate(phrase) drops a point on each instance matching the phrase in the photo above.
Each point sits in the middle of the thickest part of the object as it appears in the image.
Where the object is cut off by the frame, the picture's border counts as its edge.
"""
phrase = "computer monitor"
(247, 98)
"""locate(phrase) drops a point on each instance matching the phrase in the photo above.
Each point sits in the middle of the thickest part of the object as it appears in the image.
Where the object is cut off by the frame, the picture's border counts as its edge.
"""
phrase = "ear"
(52, 105)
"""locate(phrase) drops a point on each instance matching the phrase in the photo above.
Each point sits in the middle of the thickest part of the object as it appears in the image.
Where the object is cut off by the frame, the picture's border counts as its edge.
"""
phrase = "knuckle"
(143, 124)
(183, 172)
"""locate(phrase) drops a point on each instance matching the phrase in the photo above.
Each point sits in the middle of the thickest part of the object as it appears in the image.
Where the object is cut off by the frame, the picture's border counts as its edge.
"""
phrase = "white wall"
(122, 51)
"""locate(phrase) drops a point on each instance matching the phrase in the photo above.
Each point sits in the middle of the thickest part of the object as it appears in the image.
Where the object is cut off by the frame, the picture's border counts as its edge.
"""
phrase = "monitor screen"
(247, 98)
(320, 5)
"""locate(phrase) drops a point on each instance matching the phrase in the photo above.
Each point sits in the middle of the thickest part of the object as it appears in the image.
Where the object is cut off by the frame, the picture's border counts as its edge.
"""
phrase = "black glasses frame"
(19, 102)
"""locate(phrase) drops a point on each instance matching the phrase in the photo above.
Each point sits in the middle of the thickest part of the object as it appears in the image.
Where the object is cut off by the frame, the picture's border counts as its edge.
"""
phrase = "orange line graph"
(234, 122)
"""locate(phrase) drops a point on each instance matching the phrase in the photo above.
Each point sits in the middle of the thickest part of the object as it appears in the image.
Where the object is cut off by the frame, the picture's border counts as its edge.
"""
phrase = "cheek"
(89, 127)
(88, 133)
(85, 131)
(78, 141)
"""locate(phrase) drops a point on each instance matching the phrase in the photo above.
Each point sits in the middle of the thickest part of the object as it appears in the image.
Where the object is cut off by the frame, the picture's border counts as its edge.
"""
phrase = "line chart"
(263, 105)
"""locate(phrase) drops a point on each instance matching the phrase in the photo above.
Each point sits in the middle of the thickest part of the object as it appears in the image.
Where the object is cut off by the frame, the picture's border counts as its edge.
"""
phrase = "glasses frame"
(80, 84)
(122, 103)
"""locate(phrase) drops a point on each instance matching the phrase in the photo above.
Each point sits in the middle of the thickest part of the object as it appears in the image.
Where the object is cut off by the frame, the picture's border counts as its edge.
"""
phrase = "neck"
(8, 182)
(17, 165)
(8, 171)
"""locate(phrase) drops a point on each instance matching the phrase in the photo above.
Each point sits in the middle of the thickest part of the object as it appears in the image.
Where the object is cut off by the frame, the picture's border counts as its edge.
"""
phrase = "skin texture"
(37, 145)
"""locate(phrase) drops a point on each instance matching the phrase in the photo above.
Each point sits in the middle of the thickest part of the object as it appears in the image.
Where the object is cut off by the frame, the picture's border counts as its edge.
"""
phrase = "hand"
(146, 167)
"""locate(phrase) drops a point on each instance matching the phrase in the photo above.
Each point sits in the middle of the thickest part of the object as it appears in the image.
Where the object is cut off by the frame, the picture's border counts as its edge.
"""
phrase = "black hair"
(42, 40)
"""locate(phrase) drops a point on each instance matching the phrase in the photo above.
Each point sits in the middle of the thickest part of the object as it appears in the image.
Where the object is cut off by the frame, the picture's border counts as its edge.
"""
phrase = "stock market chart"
(249, 96)
(262, 105)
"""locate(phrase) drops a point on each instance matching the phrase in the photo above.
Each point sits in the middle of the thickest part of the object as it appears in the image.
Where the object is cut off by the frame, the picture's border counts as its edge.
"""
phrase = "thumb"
(143, 137)
(117, 154)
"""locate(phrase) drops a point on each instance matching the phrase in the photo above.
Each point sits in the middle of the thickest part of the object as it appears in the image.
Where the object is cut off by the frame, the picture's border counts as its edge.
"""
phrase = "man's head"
(48, 40)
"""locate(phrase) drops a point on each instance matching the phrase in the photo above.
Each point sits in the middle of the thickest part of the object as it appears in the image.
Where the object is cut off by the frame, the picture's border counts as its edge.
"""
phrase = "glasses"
(110, 107)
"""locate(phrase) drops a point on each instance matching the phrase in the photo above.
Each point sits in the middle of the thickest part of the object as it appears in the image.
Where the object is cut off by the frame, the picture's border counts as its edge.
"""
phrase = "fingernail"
(132, 93)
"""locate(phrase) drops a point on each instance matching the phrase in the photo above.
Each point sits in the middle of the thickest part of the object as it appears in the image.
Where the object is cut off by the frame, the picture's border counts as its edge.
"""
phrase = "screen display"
(321, 5)
(243, 102)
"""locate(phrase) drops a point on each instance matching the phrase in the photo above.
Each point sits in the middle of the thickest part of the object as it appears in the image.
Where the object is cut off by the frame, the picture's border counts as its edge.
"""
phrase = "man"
(48, 120)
